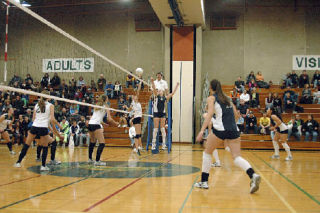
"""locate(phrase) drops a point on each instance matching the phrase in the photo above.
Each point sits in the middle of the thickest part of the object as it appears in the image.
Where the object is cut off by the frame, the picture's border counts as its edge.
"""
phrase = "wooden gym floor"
(158, 183)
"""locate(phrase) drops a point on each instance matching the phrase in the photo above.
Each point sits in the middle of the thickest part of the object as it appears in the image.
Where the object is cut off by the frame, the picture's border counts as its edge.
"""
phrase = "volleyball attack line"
(22, 91)
(59, 30)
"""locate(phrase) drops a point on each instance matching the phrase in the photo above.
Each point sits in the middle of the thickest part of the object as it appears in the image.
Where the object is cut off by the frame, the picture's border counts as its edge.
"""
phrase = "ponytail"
(42, 102)
(216, 86)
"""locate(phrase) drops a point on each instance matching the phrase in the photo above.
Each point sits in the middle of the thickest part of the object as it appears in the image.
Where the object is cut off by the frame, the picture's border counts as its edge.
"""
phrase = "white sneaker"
(100, 163)
(216, 164)
(164, 146)
(255, 182)
(153, 147)
(17, 165)
(12, 153)
(54, 162)
(275, 157)
(289, 158)
(44, 168)
(137, 151)
(90, 161)
(203, 185)
(140, 148)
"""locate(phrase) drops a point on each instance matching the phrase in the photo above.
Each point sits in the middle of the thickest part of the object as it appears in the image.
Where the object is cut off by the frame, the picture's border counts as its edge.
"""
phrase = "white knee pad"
(154, 135)
(206, 162)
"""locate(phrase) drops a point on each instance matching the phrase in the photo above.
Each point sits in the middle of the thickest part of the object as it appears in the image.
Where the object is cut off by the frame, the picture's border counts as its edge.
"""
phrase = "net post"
(150, 125)
(169, 140)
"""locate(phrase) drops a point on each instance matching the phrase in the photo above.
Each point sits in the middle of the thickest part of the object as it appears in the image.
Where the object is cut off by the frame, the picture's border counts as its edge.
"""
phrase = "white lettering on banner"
(306, 62)
(68, 65)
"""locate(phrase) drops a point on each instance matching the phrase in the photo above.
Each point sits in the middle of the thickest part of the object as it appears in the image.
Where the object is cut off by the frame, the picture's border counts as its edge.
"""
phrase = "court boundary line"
(288, 180)
(188, 195)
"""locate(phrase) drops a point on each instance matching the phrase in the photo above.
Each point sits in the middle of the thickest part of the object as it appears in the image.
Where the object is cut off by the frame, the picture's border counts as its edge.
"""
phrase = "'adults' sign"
(306, 62)
(68, 65)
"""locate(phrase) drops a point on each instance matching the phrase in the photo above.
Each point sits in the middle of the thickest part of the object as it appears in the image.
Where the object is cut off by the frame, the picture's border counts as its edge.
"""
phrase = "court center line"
(54, 189)
(188, 195)
(287, 179)
(291, 209)
(128, 185)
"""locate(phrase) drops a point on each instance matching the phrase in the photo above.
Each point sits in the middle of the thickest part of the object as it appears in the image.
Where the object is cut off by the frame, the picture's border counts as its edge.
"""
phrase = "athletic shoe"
(254, 183)
(17, 165)
(44, 168)
(12, 153)
(54, 162)
(216, 164)
(100, 163)
(90, 161)
(203, 185)
(153, 147)
(164, 146)
(289, 158)
(275, 157)
(38, 159)
(140, 148)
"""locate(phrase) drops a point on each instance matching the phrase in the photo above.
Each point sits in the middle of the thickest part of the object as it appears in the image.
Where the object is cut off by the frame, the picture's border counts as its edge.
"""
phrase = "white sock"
(163, 131)
(276, 147)
(242, 163)
(206, 162)
(154, 135)
(216, 156)
(287, 148)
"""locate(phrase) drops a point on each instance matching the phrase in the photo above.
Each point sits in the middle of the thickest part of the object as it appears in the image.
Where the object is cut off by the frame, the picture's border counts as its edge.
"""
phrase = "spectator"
(78, 95)
(239, 85)
(240, 124)
(25, 125)
(72, 82)
(287, 82)
(254, 98)
(303, 79)
(18, 105)
(277, 103)
(74, 133)
(62, 114)
(250, 76)
(55, 81)
(310, 127)
(18, 133)
(252, 84)
(29, 114)
(72, 90)
(235, 96)
(45, 81)
(108, 90)
(245, 97)
(316, 79)
(137, 82)
(81, 82)
(289, 102)
(130, 81)
(89, 96)
(83, 131)
(244, 109)
(294, 79)
(294, 128)
(160, 83)
(52, 92)
(316, 96)
(306, 95)
(264, 122)
(269, 101)
(260, 81)
(251, 124)
(65, 131)
(74, 110)
(29, 79)
(101, 82)
(117, 89)
(84, 110)
(63, 86)
(15, 79)
(93, 85)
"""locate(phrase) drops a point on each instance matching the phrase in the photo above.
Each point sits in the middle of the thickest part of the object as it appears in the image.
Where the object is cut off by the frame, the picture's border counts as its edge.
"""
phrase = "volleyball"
(139, 71)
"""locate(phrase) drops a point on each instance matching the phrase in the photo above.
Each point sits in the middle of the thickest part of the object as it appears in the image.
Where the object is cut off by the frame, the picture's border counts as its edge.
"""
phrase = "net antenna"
(67, 35)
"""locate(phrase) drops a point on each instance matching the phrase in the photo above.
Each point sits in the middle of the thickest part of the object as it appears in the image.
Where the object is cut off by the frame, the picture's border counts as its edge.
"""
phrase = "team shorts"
(136, 120)
(226, 135)
(159, 115)
(39, 131)
(282, 132)
(94, 127)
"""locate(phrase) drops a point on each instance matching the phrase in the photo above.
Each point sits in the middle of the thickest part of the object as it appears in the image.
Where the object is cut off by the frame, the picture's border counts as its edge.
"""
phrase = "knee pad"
(163, 131)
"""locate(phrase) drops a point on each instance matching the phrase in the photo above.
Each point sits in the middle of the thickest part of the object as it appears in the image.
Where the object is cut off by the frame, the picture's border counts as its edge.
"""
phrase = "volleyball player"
(281, 134)
(224, 130)
(43, 114)
(5, 121)
(96, 129)
(159, 113)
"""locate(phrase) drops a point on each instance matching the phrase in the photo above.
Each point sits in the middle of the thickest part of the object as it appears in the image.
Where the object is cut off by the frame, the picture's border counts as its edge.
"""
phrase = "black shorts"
(226, 135)
(136, 120)
(282, 132)
(94, 127)
(39, 131)
(159, 114)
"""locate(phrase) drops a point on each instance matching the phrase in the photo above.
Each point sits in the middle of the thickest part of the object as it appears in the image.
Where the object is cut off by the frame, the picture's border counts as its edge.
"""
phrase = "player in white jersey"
(224, 130)
(137, 115)
(5, 121)
(43, 114)
(159, 113)
(96, 129)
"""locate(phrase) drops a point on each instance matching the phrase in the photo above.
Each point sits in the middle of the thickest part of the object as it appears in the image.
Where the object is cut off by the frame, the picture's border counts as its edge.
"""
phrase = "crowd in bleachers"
(245, 96)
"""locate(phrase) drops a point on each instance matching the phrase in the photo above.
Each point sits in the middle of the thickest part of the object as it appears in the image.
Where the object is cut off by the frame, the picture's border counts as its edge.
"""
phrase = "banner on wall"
(306, 62)
(68, 65)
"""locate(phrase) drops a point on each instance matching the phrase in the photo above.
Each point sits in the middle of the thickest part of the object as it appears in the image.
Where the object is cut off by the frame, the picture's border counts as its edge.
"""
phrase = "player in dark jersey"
(281, 134)
(224, 130)
(5, 123)
(159, 113)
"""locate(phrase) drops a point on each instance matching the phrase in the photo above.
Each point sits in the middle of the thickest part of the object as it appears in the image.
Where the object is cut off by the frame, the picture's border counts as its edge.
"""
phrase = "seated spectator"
(251, 124)
(72, 90)
(130, 81)
(245, 97)
(117, 89)
(18, 105)
(15, 79)
(25, 126)
(101, 82)
(235, 96)
(240, 123)
(29, 79)
(137, 82)
(264, 123)
(310, 127)
(65, 131)
(74, 133)
(269, 101)
(252, 84)
(316, 96)
(294, 79)
(29, 114)
(72, 81)
(303, 79)
(254, 98)
(93, 85)
(244, 109)
(239, 85)
(78, 95)
(89, 96)
(277, 103)
(260, 81)
(84, 110)
(316, 79)
(84, 132)
(294, 128)
(250, 76)
(289, 102)
(108, 90)
(287, 82)
(62, 114)
(18, 133)
(45, 81)
(306, 97)
(55, 81)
